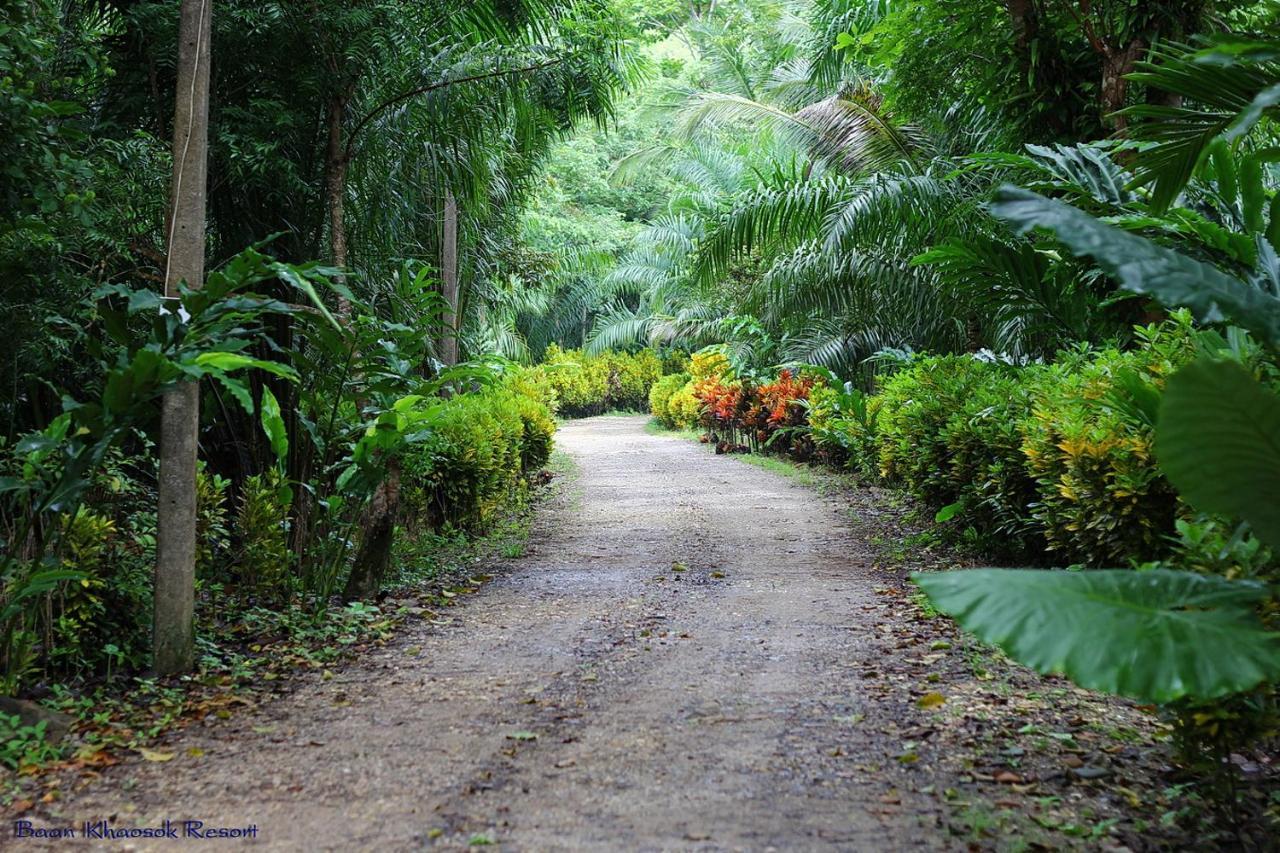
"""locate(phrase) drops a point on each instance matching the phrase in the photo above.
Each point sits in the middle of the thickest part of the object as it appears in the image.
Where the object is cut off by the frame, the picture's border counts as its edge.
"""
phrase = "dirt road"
(673, 665)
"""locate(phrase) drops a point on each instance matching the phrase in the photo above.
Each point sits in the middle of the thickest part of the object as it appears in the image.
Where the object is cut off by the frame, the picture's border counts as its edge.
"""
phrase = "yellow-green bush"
(213, 539)
(822, 412)
(631, 377)
(684, 409)
(533, 382)
(259, 526)
(587, 384)
(1039, 456)
(843, 425)
(538, 436)
(480, 448)
(986, 467)
(708, 363)
(674, 361)
(674, 398)
(580, 382)
(916, 404)
(660, 396)
(1101, 498)
(535, 401)
(78, 610)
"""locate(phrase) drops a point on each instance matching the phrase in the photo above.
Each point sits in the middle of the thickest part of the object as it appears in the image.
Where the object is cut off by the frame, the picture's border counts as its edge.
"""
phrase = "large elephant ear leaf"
(1156, 636)
(1146, 267)
(1218, 442)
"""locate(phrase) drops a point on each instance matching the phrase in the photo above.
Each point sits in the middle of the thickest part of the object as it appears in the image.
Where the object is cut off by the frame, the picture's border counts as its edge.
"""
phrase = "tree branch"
(1085, 17)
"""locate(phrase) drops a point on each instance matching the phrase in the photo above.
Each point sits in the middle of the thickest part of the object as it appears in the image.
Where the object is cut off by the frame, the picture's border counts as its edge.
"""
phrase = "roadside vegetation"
(292, 296)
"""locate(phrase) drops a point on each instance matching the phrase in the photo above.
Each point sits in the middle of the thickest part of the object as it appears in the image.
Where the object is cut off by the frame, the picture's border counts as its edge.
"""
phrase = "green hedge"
(950, 430)
(586, 385)
(481, 448)
(1035, 458)
(1088, 444)
(660, 398)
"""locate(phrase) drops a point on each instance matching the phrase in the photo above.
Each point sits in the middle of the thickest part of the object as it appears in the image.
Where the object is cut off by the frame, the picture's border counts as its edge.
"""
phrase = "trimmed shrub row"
(482, 448)
(1033, 458)
(586, 385)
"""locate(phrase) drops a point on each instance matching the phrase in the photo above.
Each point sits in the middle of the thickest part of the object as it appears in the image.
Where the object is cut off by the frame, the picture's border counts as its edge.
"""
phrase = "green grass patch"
(654, 427)
(802, 474)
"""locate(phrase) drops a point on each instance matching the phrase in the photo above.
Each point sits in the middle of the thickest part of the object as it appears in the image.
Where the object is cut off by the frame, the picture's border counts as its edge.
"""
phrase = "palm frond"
(849, 130)
(767, 217)
(1230, 85)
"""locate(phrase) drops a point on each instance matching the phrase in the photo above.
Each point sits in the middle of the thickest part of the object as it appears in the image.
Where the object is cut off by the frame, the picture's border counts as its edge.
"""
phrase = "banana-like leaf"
(230, 361)
(1156, 636)
(273, 425)
(1218, 441)
(34, 585)
(1146, 267)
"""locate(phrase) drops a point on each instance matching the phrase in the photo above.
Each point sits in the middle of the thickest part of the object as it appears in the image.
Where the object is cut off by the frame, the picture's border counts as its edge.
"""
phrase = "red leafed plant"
(754, 414)
(720, 398)
(781, 399)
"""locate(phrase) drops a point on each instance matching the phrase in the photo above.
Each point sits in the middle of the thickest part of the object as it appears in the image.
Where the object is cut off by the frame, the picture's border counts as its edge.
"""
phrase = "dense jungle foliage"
(1020, 259)
(363, 401)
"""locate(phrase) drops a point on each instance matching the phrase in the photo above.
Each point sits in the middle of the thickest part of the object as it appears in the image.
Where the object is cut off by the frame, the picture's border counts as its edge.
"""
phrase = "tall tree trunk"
(180, 412)
(378, 523)
(449, 281)
(1026, 26)
(1116, 64)
(336, 162)
(1037, 62)
(377, 527)
(335, 189)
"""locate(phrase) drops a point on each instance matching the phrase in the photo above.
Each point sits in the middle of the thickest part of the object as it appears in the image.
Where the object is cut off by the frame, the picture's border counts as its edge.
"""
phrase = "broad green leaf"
(949, 512)
(1146, 267)
(228, 361)
(1263, 101)
(14, 484)
(33, 585)
(36, 442)
(1218, 441)
(144, 300)
(345, 478)
(237, 389)
(407, 402)
(1155, 636)
(273, 425)
(289, 273)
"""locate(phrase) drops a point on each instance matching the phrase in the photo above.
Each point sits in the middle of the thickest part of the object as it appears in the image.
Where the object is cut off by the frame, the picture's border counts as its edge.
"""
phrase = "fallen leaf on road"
(931, 700)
